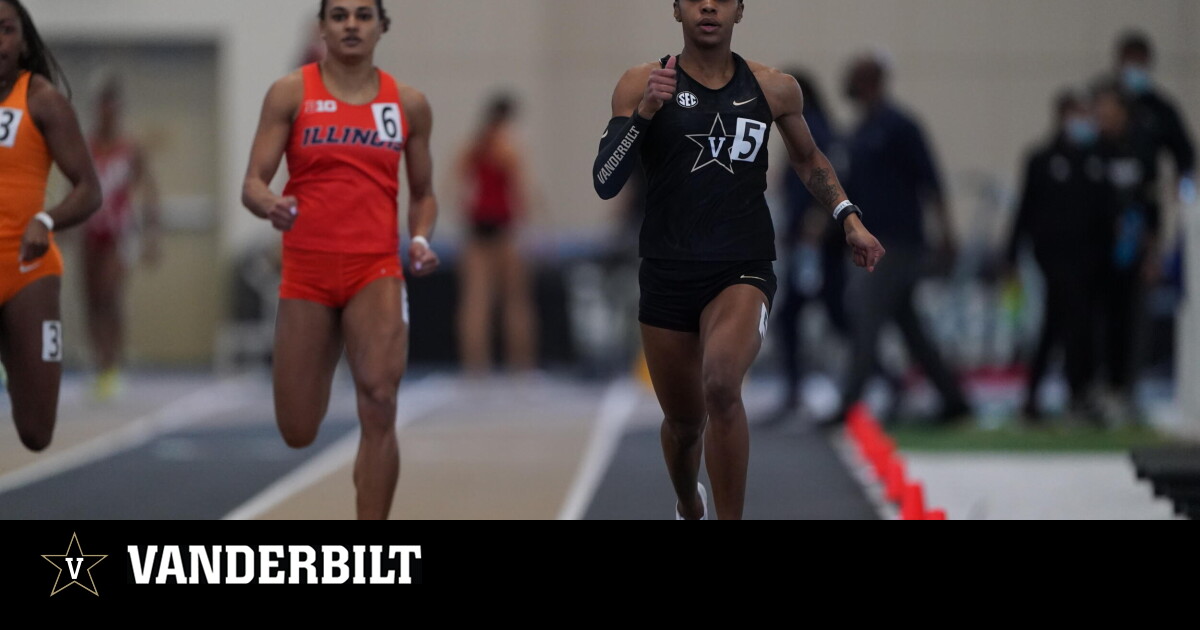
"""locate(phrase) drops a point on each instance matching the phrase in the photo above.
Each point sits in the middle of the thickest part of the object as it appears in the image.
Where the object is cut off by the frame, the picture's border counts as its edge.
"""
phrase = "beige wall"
(174, 308)
(978, 72)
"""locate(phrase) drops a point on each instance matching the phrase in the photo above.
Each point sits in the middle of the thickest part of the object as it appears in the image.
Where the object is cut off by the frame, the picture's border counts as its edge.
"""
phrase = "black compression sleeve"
(615, 162)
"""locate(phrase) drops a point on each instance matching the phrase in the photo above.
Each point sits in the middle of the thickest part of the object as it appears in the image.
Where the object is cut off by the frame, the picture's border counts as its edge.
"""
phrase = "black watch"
(846, 212)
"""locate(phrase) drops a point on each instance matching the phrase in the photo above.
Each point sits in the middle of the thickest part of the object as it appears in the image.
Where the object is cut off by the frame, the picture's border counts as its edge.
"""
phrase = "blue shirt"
(891, 172)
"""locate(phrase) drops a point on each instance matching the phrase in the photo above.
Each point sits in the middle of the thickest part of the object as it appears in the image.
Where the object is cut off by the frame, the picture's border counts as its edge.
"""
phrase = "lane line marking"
(199, 405)
(417, 400)
(615, 411)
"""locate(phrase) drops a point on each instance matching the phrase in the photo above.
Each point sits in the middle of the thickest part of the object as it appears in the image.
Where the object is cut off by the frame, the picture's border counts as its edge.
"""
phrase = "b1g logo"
(320, 107)
(720, 148)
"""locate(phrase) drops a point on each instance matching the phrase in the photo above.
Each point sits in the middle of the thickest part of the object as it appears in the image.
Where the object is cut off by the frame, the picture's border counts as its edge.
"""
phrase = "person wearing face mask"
(1129, 157)
(1154, 115)
(891, 164)
(815, 251)
(1063, 215)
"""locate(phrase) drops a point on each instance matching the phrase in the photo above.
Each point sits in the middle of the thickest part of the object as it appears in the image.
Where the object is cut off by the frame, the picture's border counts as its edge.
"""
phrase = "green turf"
(1022, 439)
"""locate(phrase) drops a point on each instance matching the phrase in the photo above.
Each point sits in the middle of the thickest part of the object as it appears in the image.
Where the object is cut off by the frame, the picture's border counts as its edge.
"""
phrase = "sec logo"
(687, 100)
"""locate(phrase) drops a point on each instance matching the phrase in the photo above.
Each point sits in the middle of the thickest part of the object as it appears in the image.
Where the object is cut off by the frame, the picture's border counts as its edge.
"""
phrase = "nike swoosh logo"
(737, 104)
(605, 134)
(753, 278)
(23, 268)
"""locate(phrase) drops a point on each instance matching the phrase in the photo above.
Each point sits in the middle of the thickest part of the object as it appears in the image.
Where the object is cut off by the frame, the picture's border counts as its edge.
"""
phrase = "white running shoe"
(703, 504)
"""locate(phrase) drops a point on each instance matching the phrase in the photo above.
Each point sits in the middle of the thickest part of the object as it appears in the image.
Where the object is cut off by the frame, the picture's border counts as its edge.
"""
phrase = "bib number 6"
(387, 122)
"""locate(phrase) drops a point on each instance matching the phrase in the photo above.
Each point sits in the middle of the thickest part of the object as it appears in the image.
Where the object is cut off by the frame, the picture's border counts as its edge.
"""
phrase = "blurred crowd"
(1090, 212)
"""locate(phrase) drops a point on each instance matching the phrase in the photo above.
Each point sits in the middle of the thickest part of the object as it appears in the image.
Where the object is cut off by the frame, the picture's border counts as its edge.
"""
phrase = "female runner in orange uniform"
(344, 126)
(37, 127)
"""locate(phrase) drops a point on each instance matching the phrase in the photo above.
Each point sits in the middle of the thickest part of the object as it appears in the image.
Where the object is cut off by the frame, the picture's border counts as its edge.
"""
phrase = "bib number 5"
(387, 122)
(750, 138)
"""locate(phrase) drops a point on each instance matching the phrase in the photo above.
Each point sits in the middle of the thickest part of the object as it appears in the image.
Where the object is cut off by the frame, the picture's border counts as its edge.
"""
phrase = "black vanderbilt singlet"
(705, 158)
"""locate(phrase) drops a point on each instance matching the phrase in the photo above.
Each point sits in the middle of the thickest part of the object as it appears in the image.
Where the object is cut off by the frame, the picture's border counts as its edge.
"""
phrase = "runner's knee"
(722, 389)
(685, 431)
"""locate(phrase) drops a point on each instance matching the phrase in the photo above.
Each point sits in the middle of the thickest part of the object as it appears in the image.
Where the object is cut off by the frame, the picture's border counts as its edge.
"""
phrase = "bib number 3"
(387, 122)
(52, 346)
(10, 121)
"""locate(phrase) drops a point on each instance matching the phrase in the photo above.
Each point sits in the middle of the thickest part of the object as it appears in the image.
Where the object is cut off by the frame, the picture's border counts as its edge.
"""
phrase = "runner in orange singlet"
(37, 127)
(344, 126)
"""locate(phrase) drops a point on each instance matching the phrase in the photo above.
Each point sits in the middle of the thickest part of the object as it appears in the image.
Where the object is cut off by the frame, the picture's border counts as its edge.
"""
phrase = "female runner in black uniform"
(701, 121)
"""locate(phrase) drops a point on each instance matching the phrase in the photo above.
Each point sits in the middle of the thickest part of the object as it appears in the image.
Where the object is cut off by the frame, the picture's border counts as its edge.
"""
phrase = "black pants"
(876, 299)
(1123, 309)
(793, 300)
(1073, 301)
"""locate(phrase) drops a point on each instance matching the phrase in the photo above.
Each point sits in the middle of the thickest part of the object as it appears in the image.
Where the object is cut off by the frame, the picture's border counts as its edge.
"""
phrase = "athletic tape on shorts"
(404, 303)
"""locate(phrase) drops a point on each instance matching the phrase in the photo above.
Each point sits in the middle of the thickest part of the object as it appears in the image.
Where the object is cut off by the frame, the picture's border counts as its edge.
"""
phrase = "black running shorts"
(676, 292)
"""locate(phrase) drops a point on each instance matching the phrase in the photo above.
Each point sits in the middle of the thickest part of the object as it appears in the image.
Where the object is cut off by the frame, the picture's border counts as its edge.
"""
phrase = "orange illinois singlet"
(24, 167)
(344, 165)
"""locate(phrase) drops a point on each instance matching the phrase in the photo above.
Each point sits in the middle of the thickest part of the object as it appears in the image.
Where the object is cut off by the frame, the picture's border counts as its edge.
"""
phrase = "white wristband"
(46, 220)
(422, 240)
(841, 206)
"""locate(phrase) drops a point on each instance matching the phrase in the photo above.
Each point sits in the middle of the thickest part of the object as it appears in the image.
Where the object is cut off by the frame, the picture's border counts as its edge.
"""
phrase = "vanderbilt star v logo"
(76, 565)
(723, 149)
(715, 146)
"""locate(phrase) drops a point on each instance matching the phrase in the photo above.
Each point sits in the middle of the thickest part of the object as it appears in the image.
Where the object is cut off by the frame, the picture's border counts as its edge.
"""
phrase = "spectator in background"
(1128, 154)
(314, 46)
(814, 250)
(1154, 116)
(892, 172)
(124, 173)
(495, 193)
(1064, 215)
(1156, 120)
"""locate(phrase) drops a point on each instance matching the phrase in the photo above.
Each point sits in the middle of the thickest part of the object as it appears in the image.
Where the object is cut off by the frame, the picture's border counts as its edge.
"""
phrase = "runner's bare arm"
(270, 142)
(787, 105)
(422, 206)
(56, 120)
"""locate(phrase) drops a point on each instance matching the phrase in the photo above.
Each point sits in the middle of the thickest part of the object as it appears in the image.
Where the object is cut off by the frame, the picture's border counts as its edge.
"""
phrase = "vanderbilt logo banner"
(94, 565)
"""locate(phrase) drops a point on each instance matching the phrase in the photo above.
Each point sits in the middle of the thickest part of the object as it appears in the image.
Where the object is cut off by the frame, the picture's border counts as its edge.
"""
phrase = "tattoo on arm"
(826, 192)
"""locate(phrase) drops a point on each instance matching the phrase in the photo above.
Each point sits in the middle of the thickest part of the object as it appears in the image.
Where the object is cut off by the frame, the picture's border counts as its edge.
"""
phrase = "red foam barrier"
(912, 508)
(894, 480)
